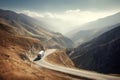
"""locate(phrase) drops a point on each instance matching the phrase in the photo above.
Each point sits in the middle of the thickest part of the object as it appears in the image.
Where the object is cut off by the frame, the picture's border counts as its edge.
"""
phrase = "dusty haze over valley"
(80, 39)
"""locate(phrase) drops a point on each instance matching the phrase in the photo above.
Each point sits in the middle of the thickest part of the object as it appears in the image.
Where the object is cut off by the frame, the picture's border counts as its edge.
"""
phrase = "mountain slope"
(15, 58)
(93, 29)
(17, 49)
(29, 27)
(101, 54)
(60, 58)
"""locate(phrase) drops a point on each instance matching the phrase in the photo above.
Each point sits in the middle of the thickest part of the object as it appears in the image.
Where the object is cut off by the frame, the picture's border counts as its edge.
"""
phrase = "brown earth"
(59, 57)
(15, 54)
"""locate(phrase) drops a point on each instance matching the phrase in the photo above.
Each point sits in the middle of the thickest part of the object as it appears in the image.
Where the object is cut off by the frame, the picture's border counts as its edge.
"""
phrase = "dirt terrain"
(59, 57)
(15, 54)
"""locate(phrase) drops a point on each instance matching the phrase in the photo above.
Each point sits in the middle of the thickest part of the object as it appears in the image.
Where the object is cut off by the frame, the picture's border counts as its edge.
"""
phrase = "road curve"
(71, 71)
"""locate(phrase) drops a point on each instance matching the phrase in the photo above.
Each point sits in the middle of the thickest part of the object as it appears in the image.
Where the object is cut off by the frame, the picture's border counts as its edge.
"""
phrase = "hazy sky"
(64, 14)
(60, 5)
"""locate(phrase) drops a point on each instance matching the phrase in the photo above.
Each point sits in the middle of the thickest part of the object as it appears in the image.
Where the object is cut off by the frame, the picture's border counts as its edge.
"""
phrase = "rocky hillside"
(60, 58)
(15, 57)
(21, 38)
(29, 27)
(101, 54)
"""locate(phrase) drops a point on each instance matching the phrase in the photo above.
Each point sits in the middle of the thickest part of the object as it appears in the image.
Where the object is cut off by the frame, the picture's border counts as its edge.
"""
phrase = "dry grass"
(60, 58)
(15, 52)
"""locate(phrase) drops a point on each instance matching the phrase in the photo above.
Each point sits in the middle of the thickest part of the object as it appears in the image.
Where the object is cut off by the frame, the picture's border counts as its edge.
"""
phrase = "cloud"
(32, 13)
(48, 14)
(73, 11)
(67, 20)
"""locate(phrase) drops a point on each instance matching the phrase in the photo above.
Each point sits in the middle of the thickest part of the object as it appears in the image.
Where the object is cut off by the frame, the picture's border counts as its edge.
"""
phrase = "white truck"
(40, 55)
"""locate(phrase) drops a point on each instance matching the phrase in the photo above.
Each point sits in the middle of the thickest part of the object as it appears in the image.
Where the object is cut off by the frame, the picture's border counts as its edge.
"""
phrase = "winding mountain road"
(74, 72)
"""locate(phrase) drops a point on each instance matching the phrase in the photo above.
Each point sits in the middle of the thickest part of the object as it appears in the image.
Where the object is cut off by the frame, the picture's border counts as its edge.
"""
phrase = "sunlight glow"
(68, 19)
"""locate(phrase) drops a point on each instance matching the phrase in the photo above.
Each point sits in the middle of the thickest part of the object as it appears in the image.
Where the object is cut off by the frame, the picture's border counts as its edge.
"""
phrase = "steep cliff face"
(101, 54)
(29, 27)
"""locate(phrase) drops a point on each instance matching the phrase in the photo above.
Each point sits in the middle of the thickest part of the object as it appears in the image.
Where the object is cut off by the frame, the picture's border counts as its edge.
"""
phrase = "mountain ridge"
(29, 27)
(94, 28)
(101, 54)
(20, 43)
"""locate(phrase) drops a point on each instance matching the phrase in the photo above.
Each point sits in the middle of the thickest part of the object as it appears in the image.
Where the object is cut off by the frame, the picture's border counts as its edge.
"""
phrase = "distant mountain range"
(23, 25)
(101, 54)
(93, 29)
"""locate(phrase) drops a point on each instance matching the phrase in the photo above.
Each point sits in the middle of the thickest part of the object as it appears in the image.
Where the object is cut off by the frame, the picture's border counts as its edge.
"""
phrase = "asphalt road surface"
(71, 71)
